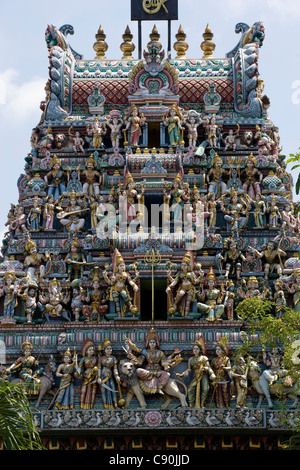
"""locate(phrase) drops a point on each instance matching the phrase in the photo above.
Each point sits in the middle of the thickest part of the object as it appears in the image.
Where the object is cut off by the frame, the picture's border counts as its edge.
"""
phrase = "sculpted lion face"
(127, 368)
(248, 136)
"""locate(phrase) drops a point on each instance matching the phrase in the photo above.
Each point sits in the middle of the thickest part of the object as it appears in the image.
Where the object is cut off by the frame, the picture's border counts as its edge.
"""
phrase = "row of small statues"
(148, 371)
(189, 292)
(175, 120)
(187, 208)
(51, 300)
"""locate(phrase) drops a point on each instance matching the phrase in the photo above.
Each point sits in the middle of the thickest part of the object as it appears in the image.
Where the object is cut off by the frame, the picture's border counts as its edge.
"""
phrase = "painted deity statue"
(35, 262)
(91, 178)
(175, 198)
(253, 177)
(70, 216)
(173, 120)
(120, 283)
(107, 374)
(107, 214)
(153, 376)
(230, 138)
(98, 130)
(87, 372)
(65, 394)
(198, 212)
(212, 130)
(54, 300)
(114, 122)
(95, 301)
(185, 281)
(273, 211)
(250, 289)
(77, 302)
(49, 212)
(295, 289)
(17, 223)
(34, 215)
(289, 220)
(239, 372)
(222, 369)
(26, 367)
(192, 121)
(236, 212)
(75, 260)
(77, 141)
(10, 292)
(211, 298)
(130, 200)
(134, 123)
(215, 177)
(202, 373)
(212, 209)
(232, 258)
(29, 297)
(55, 178)
(272, 255)
(279, 298)
(260, 210)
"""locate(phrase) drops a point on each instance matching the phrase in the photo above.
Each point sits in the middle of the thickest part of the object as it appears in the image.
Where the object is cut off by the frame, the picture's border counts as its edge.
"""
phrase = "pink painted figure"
(49, 212)
(253, 177)
(78, 141)
(135, 123)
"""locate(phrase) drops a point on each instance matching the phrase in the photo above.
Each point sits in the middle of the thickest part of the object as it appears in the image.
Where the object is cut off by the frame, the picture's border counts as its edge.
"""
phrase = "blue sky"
(24, 60)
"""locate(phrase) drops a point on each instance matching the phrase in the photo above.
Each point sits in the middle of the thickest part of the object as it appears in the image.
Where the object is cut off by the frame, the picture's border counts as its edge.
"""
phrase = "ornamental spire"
(100, 45)
(208, 46)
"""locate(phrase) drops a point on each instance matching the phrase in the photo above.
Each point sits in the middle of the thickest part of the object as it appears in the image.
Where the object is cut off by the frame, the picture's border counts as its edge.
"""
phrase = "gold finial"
(100, 45)
(127, 47)
(208, 46)
(154, 37)
(181, 46)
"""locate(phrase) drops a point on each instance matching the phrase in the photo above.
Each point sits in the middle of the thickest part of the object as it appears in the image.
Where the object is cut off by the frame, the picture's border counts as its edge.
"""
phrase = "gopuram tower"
(154, 199)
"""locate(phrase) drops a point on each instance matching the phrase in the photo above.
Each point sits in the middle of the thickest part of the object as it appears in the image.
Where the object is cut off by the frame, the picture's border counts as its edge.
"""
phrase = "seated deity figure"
(35, 262)
(70, 216)
(152, 363)
(54, 300)
(236, 212)
(215, 177)
(271, 255)
(211, 298)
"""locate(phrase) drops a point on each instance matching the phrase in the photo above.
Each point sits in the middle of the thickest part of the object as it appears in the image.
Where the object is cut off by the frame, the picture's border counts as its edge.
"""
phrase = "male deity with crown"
(120, 283)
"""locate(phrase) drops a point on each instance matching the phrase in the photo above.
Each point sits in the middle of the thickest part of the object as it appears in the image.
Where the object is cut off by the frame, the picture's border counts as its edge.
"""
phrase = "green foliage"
(267, 330)
(295, 158)
(17, 429)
